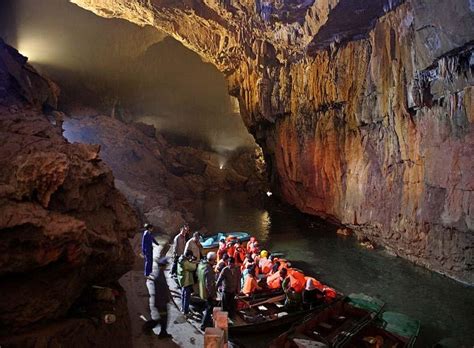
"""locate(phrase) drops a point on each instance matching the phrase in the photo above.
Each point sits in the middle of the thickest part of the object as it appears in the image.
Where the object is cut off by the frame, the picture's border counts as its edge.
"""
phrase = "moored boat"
(212, 242)
(266, 313)
(330, 326)
(390, 329)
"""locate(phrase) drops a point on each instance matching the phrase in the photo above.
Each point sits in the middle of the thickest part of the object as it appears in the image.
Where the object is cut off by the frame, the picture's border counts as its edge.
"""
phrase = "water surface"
(444, 307)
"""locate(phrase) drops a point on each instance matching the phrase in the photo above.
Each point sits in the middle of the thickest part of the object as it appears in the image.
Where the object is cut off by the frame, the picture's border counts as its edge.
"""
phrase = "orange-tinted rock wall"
(363, 109)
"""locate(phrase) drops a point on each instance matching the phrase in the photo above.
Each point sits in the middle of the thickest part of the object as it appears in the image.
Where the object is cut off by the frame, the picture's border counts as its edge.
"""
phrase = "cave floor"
(184, 334)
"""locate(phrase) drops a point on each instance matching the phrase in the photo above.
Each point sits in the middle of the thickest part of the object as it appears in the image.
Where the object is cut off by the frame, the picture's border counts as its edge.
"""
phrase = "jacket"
(206, 280)
(185, 272)
(195, 247)
(230, 278)
(179, 243)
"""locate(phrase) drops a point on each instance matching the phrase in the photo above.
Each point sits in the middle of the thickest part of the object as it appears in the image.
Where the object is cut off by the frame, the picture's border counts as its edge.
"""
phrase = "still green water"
(444, 307)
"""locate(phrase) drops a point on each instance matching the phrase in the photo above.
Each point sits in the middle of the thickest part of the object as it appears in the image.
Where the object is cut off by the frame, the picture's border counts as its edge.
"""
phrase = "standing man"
(207, 287)
(159, 297)
(230, 278)
(194, 245)
(186, 268)
(147, 248)
(179, 243)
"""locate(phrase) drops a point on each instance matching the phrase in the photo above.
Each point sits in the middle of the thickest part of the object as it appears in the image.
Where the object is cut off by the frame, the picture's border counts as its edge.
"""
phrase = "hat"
(163, 261)
(309, 285)
(211, 256)
(263, 253)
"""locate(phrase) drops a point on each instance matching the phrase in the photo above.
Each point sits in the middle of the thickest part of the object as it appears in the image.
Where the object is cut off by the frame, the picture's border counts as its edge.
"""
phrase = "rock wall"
(64, 227)
(162, 180)
(364, 109)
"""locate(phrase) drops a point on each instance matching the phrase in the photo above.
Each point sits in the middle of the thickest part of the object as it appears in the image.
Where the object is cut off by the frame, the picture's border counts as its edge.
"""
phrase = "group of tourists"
(235, 270)
(238, 270)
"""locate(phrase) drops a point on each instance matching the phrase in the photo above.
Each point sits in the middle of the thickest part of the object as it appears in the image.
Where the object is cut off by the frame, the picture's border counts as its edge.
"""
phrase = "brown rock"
(363, 110)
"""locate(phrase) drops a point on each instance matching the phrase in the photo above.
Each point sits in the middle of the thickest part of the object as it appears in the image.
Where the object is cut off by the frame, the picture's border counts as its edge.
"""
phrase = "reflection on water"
(444, 307)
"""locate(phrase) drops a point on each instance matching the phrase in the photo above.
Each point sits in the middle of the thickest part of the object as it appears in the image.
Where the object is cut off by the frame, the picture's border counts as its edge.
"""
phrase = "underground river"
(444, 307)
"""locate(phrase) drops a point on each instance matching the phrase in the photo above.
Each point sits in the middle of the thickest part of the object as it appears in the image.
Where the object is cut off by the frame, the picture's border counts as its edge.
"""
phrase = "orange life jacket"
(230, 249)
(266, 266)
(250, 285)
(317, 284)
(239, 255)
(274, 281)
(297, 280)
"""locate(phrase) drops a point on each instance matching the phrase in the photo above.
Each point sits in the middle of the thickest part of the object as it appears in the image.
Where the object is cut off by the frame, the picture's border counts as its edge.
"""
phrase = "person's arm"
(221, 277)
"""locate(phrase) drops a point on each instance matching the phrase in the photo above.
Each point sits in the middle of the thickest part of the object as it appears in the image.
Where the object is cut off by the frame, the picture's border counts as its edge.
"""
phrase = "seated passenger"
(275, 281)
(250, 285)
(221, 264)
(312, 296)
(266, 265)
(239, 253)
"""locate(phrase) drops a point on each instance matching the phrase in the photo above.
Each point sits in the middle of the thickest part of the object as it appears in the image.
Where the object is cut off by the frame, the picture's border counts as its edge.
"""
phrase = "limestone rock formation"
(162, 180)
(363, 109)
(64, 226)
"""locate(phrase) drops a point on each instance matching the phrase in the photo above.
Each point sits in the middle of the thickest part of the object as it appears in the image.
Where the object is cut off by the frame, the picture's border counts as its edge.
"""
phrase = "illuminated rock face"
(365, 114)
(64, 226)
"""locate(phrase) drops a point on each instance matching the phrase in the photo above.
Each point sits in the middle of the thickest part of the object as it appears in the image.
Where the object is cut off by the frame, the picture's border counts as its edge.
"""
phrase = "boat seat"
(325, 325)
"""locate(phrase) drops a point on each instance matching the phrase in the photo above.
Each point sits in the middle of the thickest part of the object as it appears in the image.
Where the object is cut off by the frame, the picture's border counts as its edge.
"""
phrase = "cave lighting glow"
(269, 193)
(37, 48)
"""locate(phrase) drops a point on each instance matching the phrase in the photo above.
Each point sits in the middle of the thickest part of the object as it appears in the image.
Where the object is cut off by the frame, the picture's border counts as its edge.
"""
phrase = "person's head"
(252, 270)
(196, 236)
(249, 258)
(237, 242)
(231, 260)
(148, 227)
(275, 267)
(264, 254)
(184, 230)
(271, 258)
(283, 272)
(309, 285)
(252, 239)
(225, 257)
(188, 254)
(211, 257)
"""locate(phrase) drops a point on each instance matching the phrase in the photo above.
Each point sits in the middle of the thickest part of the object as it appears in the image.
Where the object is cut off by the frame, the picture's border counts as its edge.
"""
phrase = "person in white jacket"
(195, 246)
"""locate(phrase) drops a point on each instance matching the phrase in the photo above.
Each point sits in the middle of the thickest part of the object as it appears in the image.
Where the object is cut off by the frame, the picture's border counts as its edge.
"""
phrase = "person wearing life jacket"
(255, 249)
(221, 264)
(312, 296)
(239, 253)
(266, 265)
(231, 248)
(250, 284)
(275, 268)
(275, 281)
(250, 244)
(222, 249)
(263, 259)
(296, 279)
(329, 294)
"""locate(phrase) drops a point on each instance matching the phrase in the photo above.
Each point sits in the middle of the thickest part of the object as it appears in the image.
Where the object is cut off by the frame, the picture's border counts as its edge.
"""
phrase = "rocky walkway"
(184, 333)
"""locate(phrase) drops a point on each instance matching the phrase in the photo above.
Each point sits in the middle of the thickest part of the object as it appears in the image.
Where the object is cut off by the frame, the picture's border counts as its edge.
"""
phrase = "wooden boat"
(390, 329)
(266, 313)
(330, 326)
(212, 242)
